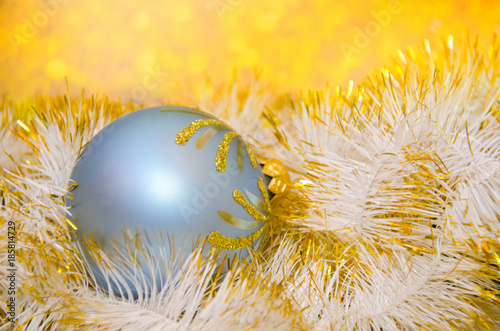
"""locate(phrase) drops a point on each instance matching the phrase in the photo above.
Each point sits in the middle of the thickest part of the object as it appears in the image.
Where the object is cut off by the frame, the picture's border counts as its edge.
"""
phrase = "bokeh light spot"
(197, 62)
(182, 11)
(56, 69)
(298, 44)
(140, 20)
(145, 60)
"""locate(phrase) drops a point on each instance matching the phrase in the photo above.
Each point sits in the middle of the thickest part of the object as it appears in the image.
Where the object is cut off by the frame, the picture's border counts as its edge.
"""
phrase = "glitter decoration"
(251, 154)
(240, 199)
(183, 136)
(221, 158)
(263, 191)
(220, 241)
(216, 126)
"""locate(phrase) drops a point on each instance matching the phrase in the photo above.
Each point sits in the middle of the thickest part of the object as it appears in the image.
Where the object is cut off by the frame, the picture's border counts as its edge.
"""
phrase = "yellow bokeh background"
(144, 50)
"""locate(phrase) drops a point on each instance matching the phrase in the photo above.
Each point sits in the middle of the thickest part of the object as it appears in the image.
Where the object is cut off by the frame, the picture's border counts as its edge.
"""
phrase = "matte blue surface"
(133, 175)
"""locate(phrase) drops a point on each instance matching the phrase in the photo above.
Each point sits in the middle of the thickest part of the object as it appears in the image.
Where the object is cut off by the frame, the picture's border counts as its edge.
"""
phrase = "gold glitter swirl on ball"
(252, 157)
(182, 137)
(218, 240)
(241, 200)
(263, 191)
(221, 157)
(185, 134)
(256, 207)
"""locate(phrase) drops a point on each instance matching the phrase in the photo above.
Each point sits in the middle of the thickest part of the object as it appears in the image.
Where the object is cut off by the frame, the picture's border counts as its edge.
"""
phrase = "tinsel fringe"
(392, 222)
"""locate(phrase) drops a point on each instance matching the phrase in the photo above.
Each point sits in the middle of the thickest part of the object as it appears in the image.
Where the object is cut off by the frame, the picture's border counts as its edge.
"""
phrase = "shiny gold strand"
(185, 134)
(221, 157)
(220, 241)
(241, 200)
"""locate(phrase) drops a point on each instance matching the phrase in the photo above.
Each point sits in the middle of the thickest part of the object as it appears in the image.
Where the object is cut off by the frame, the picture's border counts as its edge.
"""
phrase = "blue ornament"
(169, 170)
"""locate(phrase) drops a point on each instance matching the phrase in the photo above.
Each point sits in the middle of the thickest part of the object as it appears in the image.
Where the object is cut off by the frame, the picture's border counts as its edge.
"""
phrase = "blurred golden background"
(143, 50)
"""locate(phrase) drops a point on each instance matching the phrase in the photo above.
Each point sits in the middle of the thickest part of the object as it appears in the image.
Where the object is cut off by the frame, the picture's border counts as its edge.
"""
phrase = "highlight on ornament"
(168, 170)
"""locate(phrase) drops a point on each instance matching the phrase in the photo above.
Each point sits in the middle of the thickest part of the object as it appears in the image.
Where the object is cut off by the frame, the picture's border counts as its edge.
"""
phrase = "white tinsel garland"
(392, 220)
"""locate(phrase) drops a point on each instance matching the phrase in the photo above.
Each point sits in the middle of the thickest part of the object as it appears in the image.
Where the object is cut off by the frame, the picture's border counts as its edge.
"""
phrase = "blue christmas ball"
(169, 170)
